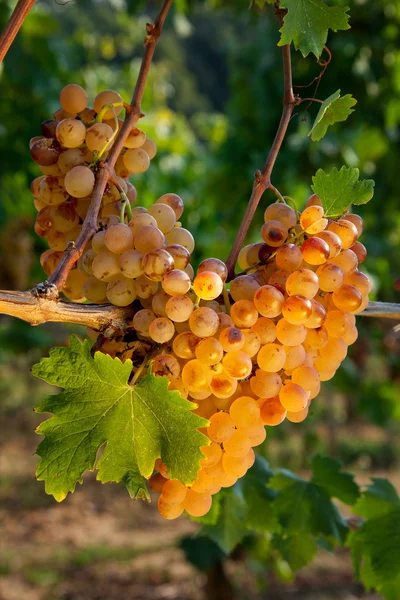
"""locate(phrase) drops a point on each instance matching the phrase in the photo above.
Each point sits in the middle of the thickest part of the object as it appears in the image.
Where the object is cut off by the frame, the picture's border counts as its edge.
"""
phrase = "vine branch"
(106, 169)
(14, 25)
(262, 179)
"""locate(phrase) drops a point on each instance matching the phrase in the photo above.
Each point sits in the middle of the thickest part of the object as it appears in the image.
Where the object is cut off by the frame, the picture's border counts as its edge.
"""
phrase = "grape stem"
(105, 169)
(13, 26)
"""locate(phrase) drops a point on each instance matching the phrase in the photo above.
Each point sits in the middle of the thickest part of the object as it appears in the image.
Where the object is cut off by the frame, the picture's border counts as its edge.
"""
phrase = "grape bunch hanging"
(248, 354)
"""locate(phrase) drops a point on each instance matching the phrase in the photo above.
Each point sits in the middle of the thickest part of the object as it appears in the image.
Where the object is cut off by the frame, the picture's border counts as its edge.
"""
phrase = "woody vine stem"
(41, 304)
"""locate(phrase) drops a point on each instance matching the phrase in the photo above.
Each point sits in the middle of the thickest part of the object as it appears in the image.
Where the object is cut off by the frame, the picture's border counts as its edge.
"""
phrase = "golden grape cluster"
(249, 356)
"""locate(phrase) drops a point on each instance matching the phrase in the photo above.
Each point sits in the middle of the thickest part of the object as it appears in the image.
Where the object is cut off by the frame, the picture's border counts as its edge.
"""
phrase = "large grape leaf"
(134, 425)
(339, 189)
(327, 475)
(307, 23)
(230, 527)
(334, 109)
(297, 549)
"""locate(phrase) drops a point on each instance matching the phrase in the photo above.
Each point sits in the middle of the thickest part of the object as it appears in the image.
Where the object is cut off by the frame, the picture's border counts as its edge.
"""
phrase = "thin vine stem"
(14, 25)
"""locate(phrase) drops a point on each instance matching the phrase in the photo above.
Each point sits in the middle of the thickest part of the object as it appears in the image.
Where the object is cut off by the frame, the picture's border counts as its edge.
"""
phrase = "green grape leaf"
(327, 475)
(379, 499)
(262, 3)
(333, 110)
(307, 23)
(301, 505)
(339, 189)
(297, 549)
(230, 528)
(260, 515)
(134, 425)
(202, 552)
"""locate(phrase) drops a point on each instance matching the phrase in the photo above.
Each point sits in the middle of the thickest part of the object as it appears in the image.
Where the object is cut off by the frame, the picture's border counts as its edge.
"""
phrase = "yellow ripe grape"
(164, 215)
(121, 292)
(107, 97)
(51, 261)
(335, 350)
(238, 445)
(363, 305)
(303, 282)
(135, 139)
(179, 308)
(73, 287)
(360, 251)
(64, 217)
(337, 323)
(288, 258)
(265, 385)
(244, 411)
(281, 212)
(295, 356)
(347, 298)
(351, 335)
(242, 258)
(224, 322)
(244, 287)
(52, 191)
(215, 265)
(318, 315)
(223, 385)
(161, 330)
(231, 339)
(227, 481)
(237, 364)
(271, 411)
(216, 470)
(130, 263)
(167, 510)
(297, 310)
(274, 233)
(204, 484)
(293, 397)
(184, 345)
(259, 437)
(206, 409)
(98, 244)
(71, 133)
(312, 219)
(358, 280)
(161, 468)
(316, 338)
(346, 230)
(79, 182)
(208, 285)
(252, 342)
(289, 334)
(313, 200)
(250, 458)
(95, 290)
(73, 98)
(180, 255)
(271, 357)
(334, 242)
(278, 280)
(213, 304)
(72, 157)
(203, 396)
(265, 329)
(174, 492)
(148, 238)
(196, 376)
(209, 351)
(190, 271)
(347, 260)
(221, 427)
(212, 453)
(356, 220)
(315, 251)
(156, 483)
(307, 377)
(244, 313)
(330, 277)
(166, 365)
(142, 219)
(105, 266)
(326, 368)
(268, 301)
(297, 417)
(173, 200)
(142, 319)
(204, 322)
(118, 238)
(181, 236)
(98, 136)
(197, 505)
(145, 288)
(156, 263)
(235, 466)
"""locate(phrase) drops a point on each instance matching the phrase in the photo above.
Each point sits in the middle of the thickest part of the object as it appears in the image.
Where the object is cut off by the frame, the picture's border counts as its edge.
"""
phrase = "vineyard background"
(212, 105)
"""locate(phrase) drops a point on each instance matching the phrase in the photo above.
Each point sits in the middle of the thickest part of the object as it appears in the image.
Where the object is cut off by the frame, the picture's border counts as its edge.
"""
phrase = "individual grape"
(143, 219)
(223, 385)
(82, 206)
(293, 397)
(330, 277)
(184, 345)
(164, 215)
(271, 357)
(244, 287)
(346, 260)
(107, 97)
(167, 510)
(57, 240)
(151, 149)
(174, 492)
(173, 200)
(318, 315)
(189, 270)
(71, 133)
(180, 255)
(43, 223)
(209, 351)
(156, 264)
(156, 483)
(242, 258)
(35, 186)
(215, 266)
(48, 128)
(271, 411)
(231, 339)
(288, 257)
(221, 427)
(346, 230)
(244, 313)
(176, 282)
(204, 483)
(73, 288)
(259, 437)
(161, 468)
(72, 157)
(347, 298)
(135, 139)
(51, 191)
(351, 335)
(316, 338)
(98, 244)
(281, 212)
(244, 412)
(45, 152)
(136, 160)
(179, 308)
(166, 365)
(159, 303)
(334, 242)
(73, 98)
(237, 364)
(315, 251)
(131, 193)
(274, 233)
(131, 263)
(337, 323)
(212, 453)
(297, 309)
(197, 505)
(98, 136)
(297, 417)
(121, 292)
(307, 377)
(252, 342)
(51, 262)
(105, 266)
(358, 280)
(264, 384)
(204, 322)
(234, 466)
(148, 238)
(334, 351)
(268, 301)
(196, 376)
(312, 220)
(207, 285)
(161, 330)
(118, 238)
(79, 182)
(360, 251)
(64, 217)
(303, 282)
(224, 322)
(313, 200)
(295, 356)
(289, 334)
(142, 319)
(266, 330)
(356, 220)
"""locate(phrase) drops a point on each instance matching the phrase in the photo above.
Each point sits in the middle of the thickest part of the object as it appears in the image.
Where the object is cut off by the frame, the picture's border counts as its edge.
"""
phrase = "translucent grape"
(95, 290)
(268, 301)
(156, 264)
(118, 238)
(231, 339)
(161, 330)
(215, 266)
(221, 427)
(148, 238)
(71, 133)
(244, 313)
(288, 257)
(204, 483)
(166, 365)
(209, 351)
(142, 319)
(237, 364)
(312, 219)
(264, 384)
(174, 492)
(164, 215)
(98, 136)
(303, 282)
(135, 139)
(274, 233)
(347, 298)
(271, 411)
(297, 310)
(313, 200)
(293, 397)
(297, 417)
(121, 292)
(360, 251)
(159, 303)
(333, 240)
(79, 182)
(346, 260)
(181, 236)
(357, 279)
(346, 230)
(252, 342)
(259, 437)
(295, 356)
(176, 282)
(208, 285)
(334, 351)
(179, 308)
(73, 98)
(142, 219)
(70, 158)
(315, 251)
(51, 191)
(266, 330)
(281, 212)
(173, 200)
(180, 255)
(105, 266)
(196, 504)
(204, 322)
(107, 97)
(337, 323)
(244, 412)
(330, 277)
(356, 220)
(156, 482)
(167, 510)
(150, 147)
(131, 263)
(307, 377)
(212, 453)
(223, 385)
(184, 345)
(316, 338)
(271, 357)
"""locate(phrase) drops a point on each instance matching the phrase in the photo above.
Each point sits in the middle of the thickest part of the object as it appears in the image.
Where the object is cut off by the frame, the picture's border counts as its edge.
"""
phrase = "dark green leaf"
(230, 528)
(202, 552)
(339, 189)
(379, 499)
(333, 110)
(327, 475)
(297, 549)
